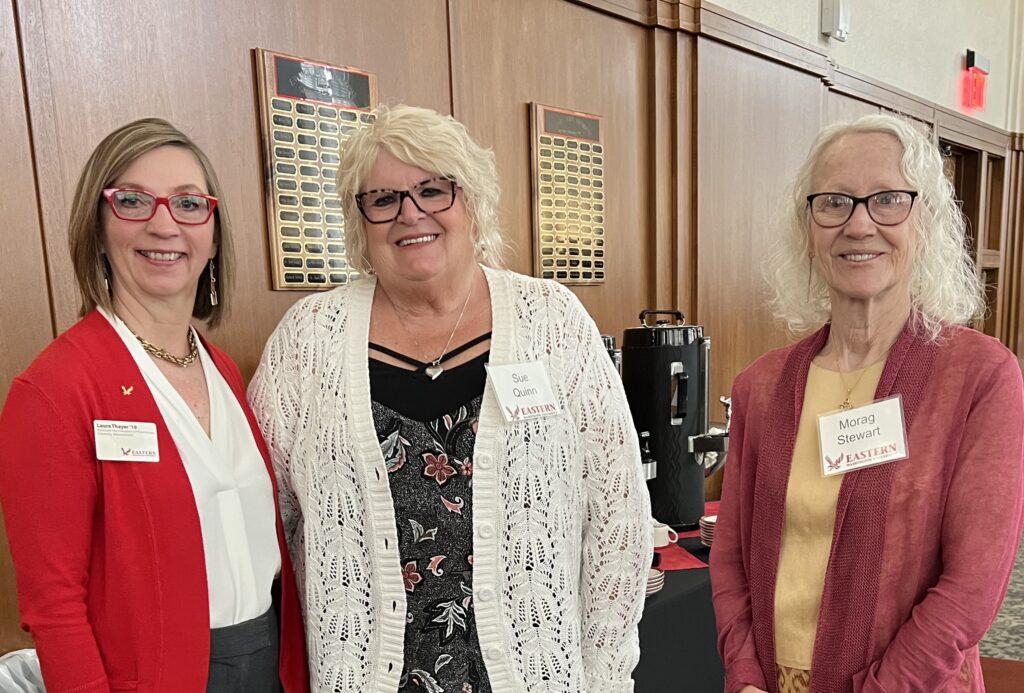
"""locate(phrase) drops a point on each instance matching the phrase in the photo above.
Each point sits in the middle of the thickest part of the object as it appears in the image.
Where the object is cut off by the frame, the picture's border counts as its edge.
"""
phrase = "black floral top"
(426, 435)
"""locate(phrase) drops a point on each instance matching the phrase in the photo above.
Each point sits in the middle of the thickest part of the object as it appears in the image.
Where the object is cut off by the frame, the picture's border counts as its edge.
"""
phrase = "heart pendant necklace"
(434, 369)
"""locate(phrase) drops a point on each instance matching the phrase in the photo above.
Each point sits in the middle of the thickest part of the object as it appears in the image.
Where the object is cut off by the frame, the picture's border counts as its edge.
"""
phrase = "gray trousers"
(243, 657)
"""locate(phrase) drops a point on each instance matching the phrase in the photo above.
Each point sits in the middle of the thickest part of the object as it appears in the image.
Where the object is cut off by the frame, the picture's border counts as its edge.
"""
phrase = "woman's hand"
(751, 689)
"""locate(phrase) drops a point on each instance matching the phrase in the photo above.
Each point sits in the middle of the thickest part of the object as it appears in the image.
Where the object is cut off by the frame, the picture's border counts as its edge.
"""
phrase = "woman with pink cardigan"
(872, 506)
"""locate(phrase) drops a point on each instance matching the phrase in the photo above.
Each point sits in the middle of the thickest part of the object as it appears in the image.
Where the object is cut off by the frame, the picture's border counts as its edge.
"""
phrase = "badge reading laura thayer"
(862, 437)
(126, 441)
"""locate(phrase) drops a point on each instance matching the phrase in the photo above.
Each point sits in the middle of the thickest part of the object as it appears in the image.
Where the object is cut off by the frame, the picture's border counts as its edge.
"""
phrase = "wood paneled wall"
(90, 67)
(744, 126)
(1013, 296)
(25, 323)
(499, 71)
(840, 108)
(706, 118)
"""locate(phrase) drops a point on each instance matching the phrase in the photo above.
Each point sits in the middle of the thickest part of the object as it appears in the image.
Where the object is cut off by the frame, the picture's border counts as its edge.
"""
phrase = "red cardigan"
(923, 548)
(109, 555)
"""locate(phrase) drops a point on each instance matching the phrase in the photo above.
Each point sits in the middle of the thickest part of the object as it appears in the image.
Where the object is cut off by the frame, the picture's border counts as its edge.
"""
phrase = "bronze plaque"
(307, 111)
(568, 195)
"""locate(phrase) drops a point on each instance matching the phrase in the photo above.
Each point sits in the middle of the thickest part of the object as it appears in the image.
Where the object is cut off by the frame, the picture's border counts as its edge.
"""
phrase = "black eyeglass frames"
(430, 196)
(885, 207)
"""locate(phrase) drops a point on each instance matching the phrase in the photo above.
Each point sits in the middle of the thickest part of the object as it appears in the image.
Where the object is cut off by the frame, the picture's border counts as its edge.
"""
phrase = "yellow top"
(810, 515)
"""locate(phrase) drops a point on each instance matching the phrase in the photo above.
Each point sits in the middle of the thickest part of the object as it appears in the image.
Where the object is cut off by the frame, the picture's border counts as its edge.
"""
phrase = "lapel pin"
(127, 391)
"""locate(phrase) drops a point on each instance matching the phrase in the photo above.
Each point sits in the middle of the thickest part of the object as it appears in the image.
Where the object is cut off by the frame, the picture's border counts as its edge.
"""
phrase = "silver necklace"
(434, 369)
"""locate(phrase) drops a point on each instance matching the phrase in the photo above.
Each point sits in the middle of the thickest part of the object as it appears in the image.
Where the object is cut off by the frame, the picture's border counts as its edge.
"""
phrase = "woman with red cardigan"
(872, 506)
(139, 503)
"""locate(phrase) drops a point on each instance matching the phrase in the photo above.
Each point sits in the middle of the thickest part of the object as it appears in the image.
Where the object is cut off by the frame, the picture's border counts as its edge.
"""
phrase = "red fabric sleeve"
(981, 530)
(48, 487)
(730, 591)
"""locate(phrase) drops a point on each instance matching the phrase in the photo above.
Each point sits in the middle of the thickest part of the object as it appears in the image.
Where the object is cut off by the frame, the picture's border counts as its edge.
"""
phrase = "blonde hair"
(108, 161)
(944, 287)
(426, 139)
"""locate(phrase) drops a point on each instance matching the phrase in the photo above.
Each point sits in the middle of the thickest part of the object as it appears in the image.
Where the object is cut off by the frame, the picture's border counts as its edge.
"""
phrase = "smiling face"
(158, 260)
(862, 261)
(417, 246)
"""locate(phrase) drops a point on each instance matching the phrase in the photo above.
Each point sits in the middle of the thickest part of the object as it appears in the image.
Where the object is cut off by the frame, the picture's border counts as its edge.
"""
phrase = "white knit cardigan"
(560, 510)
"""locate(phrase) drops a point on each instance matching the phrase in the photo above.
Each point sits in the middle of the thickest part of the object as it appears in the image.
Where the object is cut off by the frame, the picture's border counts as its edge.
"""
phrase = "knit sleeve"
(729, 579)
(981, 530)
(49, 489)
(616, 541)
(274, 395)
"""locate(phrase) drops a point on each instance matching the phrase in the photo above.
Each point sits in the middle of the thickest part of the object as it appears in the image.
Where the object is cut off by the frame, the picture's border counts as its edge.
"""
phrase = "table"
(677, 634)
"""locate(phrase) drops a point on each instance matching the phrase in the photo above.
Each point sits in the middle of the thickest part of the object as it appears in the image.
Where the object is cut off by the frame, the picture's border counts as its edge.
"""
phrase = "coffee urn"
(666, 377)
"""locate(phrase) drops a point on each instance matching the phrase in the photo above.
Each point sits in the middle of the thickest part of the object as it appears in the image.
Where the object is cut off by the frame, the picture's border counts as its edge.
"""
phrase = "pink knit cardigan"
(922, 549)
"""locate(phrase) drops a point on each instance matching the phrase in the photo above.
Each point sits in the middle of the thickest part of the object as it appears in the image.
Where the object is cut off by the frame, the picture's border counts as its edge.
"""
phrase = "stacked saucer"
(655, 581)
(707, 529)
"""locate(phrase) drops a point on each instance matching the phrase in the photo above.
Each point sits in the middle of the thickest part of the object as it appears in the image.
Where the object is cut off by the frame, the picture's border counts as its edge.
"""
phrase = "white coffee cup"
(662, 534)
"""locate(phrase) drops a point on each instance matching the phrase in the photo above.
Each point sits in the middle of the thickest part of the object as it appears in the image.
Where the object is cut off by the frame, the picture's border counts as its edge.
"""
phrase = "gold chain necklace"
(164, 355)
(847, 405)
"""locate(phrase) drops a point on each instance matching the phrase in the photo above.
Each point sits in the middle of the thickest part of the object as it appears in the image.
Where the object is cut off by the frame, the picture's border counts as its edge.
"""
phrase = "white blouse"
(231, 486)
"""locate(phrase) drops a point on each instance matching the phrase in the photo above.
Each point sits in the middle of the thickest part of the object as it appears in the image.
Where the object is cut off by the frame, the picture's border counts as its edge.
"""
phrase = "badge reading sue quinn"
(523, 390)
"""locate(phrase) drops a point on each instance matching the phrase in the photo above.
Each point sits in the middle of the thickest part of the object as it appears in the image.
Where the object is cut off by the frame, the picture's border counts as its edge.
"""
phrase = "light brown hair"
(108, 161)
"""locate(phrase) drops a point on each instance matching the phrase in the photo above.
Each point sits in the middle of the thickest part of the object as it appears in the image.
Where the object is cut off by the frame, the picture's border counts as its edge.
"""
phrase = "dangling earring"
(213, 285)
(106, 278)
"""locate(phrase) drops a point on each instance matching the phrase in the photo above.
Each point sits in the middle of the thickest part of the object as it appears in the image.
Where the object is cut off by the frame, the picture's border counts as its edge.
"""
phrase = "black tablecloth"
(677, 634)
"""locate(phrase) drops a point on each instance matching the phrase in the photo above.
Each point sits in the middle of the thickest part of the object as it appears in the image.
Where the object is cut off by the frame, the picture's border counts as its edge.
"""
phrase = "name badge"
(126, 441)
(862, 437)
(523, 390)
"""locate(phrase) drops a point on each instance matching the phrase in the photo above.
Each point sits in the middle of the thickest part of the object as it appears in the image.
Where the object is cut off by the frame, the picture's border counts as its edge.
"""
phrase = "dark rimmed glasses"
(886, 207)
(188, 208)
(430, 197)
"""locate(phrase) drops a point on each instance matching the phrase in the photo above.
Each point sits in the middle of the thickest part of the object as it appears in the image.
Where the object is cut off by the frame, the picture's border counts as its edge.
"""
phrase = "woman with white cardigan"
(459, 470)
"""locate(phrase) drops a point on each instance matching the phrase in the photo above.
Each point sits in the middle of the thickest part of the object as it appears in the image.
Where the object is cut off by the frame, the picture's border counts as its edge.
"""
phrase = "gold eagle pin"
(127, 390)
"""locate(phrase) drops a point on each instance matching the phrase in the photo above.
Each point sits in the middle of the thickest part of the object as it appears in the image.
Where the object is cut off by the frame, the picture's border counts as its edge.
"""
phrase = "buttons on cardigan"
(482, 461)
(485, 530)
(493, 653)
(486, 594)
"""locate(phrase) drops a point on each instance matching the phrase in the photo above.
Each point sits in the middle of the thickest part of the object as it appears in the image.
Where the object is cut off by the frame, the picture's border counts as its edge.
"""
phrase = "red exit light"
(973, 81)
